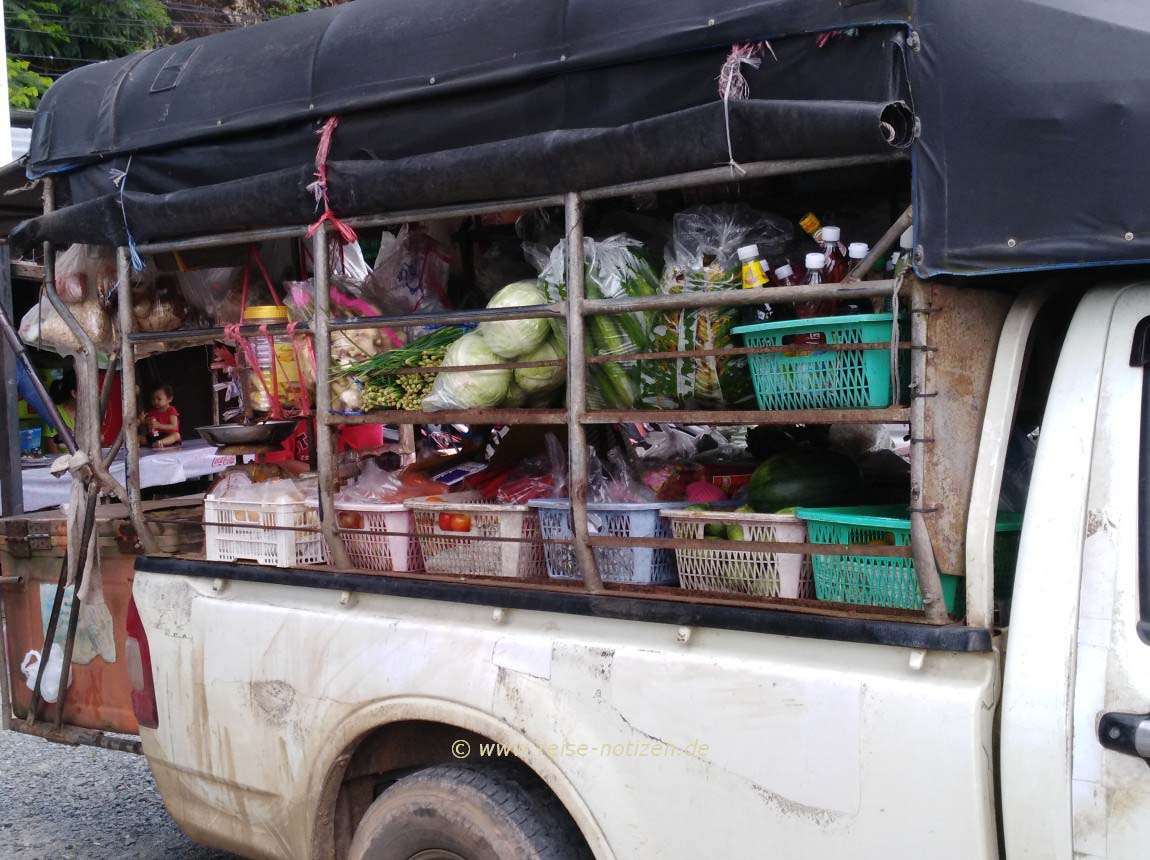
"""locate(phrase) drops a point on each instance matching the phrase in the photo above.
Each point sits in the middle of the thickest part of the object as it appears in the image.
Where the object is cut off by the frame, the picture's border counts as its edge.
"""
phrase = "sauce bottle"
(755, 276)
(856, 253)
(816, 268)
(834, 255)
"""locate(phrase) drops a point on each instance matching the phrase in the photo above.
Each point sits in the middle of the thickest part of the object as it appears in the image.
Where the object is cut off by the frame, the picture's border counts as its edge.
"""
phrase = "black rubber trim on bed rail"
(767, 620)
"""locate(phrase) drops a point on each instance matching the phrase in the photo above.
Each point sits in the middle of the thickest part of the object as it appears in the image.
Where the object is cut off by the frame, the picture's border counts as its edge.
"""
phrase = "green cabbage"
(516, 396)
(480, 389)
(538, 380)
(513, 338)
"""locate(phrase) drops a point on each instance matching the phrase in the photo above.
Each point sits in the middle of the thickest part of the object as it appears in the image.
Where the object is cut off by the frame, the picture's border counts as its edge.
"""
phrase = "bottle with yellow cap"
(279, 353)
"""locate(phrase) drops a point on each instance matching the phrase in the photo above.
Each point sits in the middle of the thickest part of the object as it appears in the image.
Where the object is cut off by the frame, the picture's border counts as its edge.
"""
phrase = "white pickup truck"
(292, 715)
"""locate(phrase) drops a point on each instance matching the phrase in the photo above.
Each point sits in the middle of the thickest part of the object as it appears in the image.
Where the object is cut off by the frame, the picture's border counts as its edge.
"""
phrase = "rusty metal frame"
(575, 309)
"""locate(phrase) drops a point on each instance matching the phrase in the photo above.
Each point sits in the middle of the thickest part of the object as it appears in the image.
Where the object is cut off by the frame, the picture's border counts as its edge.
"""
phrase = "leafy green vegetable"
(514, 338)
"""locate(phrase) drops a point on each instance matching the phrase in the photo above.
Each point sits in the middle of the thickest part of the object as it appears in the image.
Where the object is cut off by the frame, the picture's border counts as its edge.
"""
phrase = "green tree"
(24, 85)
(283, 8)
(47, 38)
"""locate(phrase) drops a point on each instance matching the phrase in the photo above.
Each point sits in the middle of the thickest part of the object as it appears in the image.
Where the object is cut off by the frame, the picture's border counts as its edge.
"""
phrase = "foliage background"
(48, 38)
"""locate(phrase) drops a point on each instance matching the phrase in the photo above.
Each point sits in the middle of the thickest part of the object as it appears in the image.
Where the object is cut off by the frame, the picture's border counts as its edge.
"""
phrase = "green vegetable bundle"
(382, 388)
(614, 269)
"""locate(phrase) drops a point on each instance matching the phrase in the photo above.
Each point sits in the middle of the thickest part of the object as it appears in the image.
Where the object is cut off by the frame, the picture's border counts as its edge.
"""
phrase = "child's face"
(160, 400)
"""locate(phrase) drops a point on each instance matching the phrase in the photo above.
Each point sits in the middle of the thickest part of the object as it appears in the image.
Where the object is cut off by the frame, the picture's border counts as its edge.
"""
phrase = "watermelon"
(805, 477)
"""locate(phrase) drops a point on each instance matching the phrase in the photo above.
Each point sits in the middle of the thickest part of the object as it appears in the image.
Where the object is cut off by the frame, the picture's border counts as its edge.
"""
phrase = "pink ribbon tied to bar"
(319, 187)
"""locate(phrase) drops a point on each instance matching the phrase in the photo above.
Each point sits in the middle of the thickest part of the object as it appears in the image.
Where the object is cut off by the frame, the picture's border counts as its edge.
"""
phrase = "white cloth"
(158, 468)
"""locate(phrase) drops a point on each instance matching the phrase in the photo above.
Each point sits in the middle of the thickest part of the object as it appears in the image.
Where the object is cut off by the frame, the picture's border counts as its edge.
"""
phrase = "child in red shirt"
(160, 425)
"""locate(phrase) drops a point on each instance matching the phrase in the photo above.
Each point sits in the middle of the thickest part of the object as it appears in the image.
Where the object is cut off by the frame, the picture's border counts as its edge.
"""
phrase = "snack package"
(703, 256)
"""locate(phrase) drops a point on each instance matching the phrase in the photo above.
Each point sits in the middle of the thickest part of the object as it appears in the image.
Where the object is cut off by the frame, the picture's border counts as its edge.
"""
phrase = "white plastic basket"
(368, 532)
(263, 532)
(763, 574)
(632, 565)
(464, 552)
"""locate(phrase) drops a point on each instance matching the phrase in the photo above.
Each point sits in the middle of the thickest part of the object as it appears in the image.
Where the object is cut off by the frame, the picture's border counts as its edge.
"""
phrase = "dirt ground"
(82, 803)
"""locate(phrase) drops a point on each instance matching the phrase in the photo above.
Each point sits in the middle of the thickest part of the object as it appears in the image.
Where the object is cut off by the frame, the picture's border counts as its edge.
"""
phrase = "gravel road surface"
(82, 803)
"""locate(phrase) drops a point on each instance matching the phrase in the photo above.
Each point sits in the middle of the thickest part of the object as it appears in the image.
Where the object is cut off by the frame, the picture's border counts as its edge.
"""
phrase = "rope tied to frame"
(895, 337)
(296, 337)
(319, 187)
(734, 86)
(120, 180)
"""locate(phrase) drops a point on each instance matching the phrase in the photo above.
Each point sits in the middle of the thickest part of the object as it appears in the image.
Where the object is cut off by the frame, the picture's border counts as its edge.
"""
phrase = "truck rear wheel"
(463, 812)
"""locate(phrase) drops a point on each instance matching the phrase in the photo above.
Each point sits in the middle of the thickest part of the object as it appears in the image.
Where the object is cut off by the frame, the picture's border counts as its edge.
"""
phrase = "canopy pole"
(326, 463)
(577, 394)
(130, 406)
(882, 246)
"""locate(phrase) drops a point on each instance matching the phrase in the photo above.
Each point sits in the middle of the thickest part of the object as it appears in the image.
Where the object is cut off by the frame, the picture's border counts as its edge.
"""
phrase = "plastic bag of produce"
(479, 389)
(212, 294)
(702, 257)
(347, 347)
(43, 328)
(410, 274)
(85, 271)
(613, 480)
(614, 268)
(157, 303)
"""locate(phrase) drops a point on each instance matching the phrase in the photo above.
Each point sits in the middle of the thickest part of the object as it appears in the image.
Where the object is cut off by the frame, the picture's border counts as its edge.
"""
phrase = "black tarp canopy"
(1029, 115)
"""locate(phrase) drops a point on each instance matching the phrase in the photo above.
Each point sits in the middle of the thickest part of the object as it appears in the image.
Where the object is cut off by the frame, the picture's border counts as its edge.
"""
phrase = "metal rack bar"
(896, 415)
(549, 311)
(577, 394)
(737, 298)
(130, 403)
(924, 562)
(693, 179)
(452, 416)
(324, 434)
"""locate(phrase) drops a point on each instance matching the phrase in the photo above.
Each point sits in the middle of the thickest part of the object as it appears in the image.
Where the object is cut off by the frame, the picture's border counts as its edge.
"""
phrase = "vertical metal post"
(407, 443)
(324, 431)
(130, 404)
(924, 561)
(577, 393)
(11, 478)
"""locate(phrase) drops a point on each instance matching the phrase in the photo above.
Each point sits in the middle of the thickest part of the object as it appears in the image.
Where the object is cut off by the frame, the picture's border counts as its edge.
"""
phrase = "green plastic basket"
(881, 581)
(810, 378)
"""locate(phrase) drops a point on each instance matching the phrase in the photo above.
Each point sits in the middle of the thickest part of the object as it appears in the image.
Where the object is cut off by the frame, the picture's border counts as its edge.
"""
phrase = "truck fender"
(336, 754)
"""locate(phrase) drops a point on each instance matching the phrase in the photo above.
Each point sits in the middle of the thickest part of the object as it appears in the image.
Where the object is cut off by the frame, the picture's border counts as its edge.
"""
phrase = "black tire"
(472, 812)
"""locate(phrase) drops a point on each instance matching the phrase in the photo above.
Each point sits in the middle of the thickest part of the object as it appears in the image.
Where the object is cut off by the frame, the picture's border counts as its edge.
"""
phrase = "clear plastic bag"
(43, 328)
(410, 274)
(614, 268)
(85, 272)
(212, 294)
(50, 683)
(613, 480)
(702, 257)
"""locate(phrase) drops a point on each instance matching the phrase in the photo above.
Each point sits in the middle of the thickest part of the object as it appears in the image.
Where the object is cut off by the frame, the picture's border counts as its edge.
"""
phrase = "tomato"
(454, 522)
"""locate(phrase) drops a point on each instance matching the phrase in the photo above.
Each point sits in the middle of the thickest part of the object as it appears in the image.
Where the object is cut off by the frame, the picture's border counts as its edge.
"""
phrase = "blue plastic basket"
(810, 378)
(632, 565)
